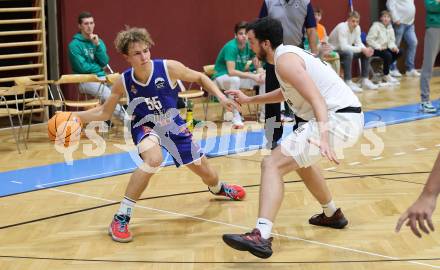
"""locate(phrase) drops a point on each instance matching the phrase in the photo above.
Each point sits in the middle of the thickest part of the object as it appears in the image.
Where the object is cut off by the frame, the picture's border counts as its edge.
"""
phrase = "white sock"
(126, 207)
(237, 115)
(265, 227)
(216, 189)
(329, 208)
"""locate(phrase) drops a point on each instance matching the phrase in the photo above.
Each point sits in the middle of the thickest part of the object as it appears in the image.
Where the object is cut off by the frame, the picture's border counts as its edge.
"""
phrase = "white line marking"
(354, 163)
(377, 158)
(84, 177)
(329, 169)
(16, 182)
(438, 145)
(400, 153)
(421, 149)
(248, 228)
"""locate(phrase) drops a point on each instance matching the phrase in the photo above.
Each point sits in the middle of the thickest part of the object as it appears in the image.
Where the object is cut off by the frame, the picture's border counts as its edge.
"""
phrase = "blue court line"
(58, 174)
(397, 115)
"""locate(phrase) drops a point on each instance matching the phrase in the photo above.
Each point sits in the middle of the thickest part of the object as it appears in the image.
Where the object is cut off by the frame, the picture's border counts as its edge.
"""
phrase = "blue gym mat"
(40, 177)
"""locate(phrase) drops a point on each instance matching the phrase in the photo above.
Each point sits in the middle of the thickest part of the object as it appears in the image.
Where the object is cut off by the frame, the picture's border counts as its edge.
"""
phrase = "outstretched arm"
(104, 111)
(178, 71)
(272, 97)
(421, 210)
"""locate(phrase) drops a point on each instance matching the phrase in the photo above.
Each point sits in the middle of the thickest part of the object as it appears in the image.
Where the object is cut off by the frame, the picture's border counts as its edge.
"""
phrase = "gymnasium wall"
(191, 31)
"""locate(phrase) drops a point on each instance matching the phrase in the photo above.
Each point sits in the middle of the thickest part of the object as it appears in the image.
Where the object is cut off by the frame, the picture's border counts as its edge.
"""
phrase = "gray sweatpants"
(430, 51)
(102, 92)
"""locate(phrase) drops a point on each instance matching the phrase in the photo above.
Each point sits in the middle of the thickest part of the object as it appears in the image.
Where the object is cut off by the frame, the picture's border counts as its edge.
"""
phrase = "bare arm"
(422, 209)
(272, 97)
(230, 65)
(275, 96)
(291, 68)
(312, 35)
(178, 71)
(104, 111)
(432, 186)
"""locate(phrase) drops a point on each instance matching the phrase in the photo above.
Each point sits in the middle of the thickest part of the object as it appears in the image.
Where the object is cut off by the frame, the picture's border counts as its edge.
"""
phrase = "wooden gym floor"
(178, 224)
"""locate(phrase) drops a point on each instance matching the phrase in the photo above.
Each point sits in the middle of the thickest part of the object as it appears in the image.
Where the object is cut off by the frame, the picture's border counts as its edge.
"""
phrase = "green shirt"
(432, 13)
(230, 52)
(87, 58)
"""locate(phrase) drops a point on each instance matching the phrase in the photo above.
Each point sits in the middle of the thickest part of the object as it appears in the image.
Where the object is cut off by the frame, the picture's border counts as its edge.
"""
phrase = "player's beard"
(261, 55)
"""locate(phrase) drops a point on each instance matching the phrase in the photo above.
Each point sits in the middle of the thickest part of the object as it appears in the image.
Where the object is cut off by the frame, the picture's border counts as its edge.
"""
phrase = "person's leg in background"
(398, 32)
(227, 82)
(272, 110)
(251, 84)
(365, 71)
(388, 57)
(411, 40)
(430, 51)
(346, 58)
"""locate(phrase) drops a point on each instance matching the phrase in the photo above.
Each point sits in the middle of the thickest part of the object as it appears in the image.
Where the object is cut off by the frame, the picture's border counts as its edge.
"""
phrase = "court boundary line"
(196, 192)
(354, 250)
(214, 262)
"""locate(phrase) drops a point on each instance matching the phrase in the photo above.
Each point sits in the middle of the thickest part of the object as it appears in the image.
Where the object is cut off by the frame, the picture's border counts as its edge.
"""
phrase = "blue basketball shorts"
(181, 146)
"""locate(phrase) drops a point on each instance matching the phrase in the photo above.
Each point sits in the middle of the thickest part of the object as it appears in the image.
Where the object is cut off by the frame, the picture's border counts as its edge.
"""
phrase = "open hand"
(325, 150)
(230, 105)
(238, 96)
(419, 213)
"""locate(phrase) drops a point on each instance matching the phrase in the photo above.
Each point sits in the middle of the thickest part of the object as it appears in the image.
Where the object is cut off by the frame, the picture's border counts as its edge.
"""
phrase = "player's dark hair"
(267, 29)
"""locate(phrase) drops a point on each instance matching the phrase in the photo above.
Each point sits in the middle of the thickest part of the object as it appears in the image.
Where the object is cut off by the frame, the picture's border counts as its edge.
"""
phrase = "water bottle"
(189, 116)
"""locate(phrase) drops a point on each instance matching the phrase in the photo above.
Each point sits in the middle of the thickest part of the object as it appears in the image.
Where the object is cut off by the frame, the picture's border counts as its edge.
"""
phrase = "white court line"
(16, 182)
(421, 149)
(108, 174)
(438, 145)
(400, 153)
(329, 169)
(248, 228)
(377, 158)
(354, 163)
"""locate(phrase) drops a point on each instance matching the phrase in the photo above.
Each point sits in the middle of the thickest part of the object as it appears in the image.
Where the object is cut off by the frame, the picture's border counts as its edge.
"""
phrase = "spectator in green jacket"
(430, 52)
(88, 55)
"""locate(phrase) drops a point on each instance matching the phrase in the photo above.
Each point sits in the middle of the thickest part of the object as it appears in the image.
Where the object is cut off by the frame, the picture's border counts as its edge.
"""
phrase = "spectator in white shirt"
(346, 39)
(381, 38)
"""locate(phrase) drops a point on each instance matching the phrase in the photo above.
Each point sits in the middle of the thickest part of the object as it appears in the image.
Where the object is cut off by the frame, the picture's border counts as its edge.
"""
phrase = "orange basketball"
(64, 128)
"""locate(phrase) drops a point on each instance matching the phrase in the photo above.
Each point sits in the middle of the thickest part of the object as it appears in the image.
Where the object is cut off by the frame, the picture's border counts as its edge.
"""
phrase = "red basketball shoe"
(234, 192)
(118, 229)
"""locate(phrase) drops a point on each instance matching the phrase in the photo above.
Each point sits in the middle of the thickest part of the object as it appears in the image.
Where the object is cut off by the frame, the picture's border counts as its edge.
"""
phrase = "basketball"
(64, 128)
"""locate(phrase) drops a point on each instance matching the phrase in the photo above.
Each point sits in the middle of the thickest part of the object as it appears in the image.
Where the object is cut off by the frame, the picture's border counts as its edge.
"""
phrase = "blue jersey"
(157, 99)
(154, 113)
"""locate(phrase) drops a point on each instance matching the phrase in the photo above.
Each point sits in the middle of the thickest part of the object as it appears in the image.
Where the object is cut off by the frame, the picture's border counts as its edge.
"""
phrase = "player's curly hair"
(131, 35)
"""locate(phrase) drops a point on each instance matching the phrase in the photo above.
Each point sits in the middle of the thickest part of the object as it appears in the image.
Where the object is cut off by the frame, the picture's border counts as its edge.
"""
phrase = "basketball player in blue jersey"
(152, 88)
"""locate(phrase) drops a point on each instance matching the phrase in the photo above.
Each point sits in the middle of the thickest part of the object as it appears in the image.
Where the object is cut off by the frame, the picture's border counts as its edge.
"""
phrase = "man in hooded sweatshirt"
(88, 55)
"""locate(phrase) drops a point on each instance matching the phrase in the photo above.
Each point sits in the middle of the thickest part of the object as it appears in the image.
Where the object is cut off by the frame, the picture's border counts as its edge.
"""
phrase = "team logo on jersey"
(133, 89)
(159, 82)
